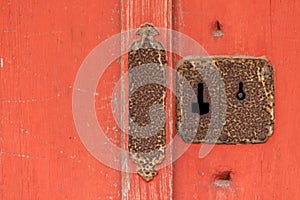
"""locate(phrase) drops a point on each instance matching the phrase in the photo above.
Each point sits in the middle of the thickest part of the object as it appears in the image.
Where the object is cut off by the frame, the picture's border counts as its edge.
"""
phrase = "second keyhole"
(241, 94)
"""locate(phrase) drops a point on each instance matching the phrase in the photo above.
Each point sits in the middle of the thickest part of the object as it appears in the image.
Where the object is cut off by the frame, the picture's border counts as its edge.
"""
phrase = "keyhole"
(200, 107)
(241, 94)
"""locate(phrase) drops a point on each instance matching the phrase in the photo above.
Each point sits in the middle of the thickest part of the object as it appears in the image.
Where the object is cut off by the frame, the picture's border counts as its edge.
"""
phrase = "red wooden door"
(42, 46)
(266, 171)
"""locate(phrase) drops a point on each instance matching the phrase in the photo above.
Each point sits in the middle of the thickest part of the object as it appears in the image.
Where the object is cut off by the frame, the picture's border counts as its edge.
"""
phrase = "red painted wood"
(255, 28)
(42, 45)
(158, 13)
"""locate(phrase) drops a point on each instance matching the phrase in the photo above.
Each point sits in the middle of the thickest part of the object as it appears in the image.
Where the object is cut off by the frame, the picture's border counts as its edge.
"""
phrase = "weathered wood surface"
(158, 13)
(42, 44)
(254, 28)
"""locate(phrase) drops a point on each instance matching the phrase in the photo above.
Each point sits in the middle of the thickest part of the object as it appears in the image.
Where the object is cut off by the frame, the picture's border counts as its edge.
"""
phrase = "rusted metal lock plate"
(147, 77)
(248, 100)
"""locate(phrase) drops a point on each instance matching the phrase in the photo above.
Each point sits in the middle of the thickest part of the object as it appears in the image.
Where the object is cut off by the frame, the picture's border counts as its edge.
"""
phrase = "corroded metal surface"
(147, 148)
(249, 99)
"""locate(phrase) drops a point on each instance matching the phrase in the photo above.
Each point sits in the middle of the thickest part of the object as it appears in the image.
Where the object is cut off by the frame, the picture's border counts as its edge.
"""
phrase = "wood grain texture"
(42, 44)
(254, 28)
(135, 13)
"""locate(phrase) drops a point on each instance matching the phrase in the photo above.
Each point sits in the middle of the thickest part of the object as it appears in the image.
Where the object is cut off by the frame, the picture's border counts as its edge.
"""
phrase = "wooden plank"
(42, 46)
(135, 13)
(255, 28)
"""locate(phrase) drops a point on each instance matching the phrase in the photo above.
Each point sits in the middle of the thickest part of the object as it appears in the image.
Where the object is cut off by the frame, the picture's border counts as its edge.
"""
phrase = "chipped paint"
(222, 183)
(28, 100)
(217, 33)
(8, 31)
(20, 155)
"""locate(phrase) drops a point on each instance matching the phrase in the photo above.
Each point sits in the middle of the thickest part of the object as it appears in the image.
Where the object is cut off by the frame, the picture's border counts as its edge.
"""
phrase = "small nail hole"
(218, 25)
(217, 29)
(225, 176)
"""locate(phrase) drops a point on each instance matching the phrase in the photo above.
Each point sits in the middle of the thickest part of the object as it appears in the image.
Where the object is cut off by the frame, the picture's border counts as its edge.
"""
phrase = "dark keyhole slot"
(241, 94)
(200, 107)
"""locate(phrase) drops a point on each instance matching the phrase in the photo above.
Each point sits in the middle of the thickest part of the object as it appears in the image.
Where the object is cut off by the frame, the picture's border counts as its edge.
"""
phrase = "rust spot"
(249, 99)
(146, 149)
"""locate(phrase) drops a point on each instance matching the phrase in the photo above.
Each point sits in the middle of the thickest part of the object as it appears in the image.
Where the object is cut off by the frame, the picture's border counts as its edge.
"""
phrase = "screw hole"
(224, 176)
(218, 25)
(217, 29)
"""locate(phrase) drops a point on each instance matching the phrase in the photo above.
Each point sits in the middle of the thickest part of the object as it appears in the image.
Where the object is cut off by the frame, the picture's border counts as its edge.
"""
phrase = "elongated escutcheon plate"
(147, 76)
(248, 99)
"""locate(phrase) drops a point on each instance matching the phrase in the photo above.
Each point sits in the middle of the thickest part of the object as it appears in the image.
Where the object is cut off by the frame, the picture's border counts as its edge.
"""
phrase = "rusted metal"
(249, 97)
(146, 146)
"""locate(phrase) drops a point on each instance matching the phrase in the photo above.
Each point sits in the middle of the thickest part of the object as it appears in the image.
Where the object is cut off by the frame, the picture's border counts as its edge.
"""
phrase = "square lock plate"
(248, 100)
